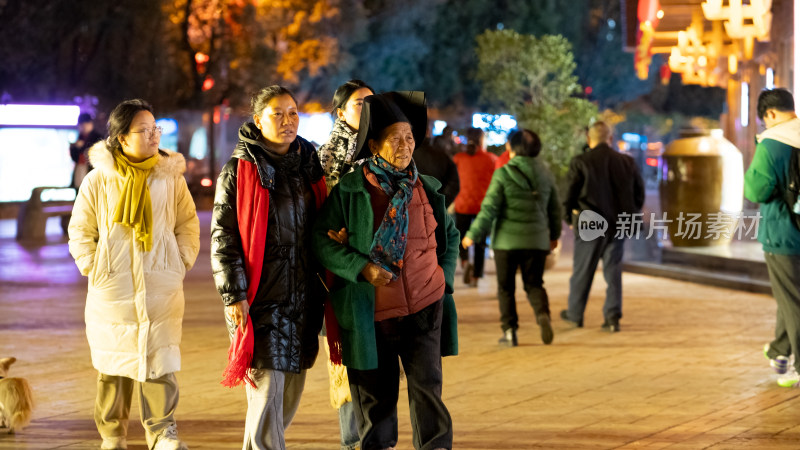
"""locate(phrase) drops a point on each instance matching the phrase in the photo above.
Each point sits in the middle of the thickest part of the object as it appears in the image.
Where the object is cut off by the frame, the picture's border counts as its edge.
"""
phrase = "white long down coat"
(134, 305)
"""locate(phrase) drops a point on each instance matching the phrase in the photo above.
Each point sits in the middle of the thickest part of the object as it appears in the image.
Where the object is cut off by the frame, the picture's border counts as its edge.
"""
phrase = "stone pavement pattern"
(686, 371)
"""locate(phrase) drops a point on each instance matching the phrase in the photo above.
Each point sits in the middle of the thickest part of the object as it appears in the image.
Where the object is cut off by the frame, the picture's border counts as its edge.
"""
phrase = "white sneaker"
(168, 440)
(114, 443)
(780, 364)
(790, 380)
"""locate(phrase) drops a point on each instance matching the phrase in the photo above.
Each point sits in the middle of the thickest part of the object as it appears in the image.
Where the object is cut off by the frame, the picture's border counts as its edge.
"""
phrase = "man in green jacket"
(522, 211)
(765, 182)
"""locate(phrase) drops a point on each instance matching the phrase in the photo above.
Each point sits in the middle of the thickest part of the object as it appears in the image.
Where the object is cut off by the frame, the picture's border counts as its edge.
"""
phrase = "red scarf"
(252, 208)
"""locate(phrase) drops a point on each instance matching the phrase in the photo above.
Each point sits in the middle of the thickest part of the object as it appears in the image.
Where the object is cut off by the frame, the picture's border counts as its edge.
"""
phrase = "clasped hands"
(373, 273)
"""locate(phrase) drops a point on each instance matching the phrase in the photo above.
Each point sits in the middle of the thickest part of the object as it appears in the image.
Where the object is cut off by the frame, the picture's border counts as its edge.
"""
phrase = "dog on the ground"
(16, 399)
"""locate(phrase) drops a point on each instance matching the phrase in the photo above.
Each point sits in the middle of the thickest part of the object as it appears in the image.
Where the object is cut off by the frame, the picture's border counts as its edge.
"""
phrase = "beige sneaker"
(168, 440)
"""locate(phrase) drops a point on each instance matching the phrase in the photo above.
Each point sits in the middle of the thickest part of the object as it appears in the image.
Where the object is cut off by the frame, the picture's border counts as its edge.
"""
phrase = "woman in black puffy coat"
(266, 199)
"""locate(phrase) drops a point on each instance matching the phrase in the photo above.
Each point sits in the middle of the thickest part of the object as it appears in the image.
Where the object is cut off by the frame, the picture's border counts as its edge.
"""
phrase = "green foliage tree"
(449, 67)
(115, 49)
(533, 79)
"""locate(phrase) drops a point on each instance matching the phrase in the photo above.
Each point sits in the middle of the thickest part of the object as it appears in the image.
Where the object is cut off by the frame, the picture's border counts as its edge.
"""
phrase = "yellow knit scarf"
(134, 208)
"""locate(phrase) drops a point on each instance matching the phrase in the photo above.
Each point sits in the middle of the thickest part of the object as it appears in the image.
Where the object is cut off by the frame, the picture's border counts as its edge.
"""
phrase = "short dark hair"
(119, 122)
(525, 147)
(778, 98)
(343, 93)
(84, 118)
(260, 99)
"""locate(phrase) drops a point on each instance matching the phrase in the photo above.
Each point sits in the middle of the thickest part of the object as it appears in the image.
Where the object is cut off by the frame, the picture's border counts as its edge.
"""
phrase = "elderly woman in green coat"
(521, 209)
(386, 235)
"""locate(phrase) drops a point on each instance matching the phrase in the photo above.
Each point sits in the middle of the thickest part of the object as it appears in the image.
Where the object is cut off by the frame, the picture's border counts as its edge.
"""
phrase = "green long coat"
(521, 208)
(348, 206)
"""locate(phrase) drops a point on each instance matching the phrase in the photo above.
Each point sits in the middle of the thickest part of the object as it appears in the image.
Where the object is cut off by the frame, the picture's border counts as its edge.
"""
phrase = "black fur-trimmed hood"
(250, 148)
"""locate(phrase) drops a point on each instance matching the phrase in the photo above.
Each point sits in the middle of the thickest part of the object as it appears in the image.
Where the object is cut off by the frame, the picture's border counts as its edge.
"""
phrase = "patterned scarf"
(389, 243)
(336, 155)
(134, 208)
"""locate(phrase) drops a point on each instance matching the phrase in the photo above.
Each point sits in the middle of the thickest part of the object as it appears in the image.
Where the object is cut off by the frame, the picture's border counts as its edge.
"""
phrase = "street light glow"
(40, 115)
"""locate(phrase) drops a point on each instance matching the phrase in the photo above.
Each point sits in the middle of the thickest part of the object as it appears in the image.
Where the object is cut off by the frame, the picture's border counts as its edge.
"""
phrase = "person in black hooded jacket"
(266, 198)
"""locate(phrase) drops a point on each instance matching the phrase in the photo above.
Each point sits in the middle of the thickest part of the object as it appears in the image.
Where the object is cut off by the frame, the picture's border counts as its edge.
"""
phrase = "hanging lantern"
(648, 15)
(664, 73)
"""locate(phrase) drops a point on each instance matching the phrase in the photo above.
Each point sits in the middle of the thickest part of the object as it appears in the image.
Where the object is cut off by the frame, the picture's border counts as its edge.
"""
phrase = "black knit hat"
(381, 110)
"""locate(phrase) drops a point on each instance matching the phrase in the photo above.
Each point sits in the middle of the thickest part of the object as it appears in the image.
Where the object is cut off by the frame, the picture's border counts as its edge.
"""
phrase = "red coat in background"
(475, 174)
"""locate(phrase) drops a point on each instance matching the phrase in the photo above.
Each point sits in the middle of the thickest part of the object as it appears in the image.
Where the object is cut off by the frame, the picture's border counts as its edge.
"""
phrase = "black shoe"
(545, 328)
(574, 324)
(509, 338)
(468, 274)
(611, 325)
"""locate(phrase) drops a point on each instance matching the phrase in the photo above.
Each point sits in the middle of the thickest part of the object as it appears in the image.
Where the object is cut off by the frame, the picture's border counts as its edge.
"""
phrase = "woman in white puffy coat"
(134, 232)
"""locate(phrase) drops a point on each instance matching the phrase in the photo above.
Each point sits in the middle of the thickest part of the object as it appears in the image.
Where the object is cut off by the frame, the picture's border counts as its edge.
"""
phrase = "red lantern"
(647, 14)
(665, 74)
(648, 10)
(208, 83)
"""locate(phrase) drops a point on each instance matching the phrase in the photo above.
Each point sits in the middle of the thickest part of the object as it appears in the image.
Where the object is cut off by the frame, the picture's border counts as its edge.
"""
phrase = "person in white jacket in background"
(134, 233)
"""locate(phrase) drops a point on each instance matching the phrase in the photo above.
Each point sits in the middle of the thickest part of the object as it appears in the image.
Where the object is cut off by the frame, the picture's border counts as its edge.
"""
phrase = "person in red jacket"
(475, 168)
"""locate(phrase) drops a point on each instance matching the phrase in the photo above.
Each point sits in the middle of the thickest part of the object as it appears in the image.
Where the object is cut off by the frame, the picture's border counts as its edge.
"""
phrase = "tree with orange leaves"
(252, 43)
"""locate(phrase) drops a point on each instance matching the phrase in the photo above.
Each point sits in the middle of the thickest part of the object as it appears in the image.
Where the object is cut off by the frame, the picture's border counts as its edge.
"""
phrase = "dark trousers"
(531, 263)
(784, 276)
(463, 221)
(584, 263)
(415, 339)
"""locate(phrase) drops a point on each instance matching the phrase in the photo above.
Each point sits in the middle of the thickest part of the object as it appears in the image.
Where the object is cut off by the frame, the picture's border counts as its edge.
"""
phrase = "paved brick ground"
(685, 372)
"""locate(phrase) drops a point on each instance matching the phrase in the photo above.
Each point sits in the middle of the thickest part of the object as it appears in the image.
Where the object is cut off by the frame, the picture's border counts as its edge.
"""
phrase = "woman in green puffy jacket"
(522, 210)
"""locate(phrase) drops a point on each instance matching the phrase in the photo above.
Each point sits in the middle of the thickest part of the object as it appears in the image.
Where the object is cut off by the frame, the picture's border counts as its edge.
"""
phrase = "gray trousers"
(158, 399)
(271, 406)
(585, 257)
(784, 276)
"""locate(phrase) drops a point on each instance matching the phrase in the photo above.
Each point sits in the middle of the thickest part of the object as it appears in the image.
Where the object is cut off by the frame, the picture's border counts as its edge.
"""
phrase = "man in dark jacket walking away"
(766, 182)
(603, 184)
(433, 160)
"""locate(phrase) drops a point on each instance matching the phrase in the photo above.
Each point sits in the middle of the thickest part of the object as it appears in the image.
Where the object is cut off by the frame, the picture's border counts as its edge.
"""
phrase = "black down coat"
(288, 307)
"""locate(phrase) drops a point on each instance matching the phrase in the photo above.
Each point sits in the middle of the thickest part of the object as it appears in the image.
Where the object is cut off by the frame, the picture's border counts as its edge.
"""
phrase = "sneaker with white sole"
(790, 379)
(168, 440)
(779, 364)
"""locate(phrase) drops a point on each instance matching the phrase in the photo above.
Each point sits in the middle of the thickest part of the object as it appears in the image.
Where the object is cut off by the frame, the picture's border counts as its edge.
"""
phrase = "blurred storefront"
(743, 46)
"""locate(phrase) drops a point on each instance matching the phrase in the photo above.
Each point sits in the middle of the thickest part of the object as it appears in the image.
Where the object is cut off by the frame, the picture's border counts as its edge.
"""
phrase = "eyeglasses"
(149, 132)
